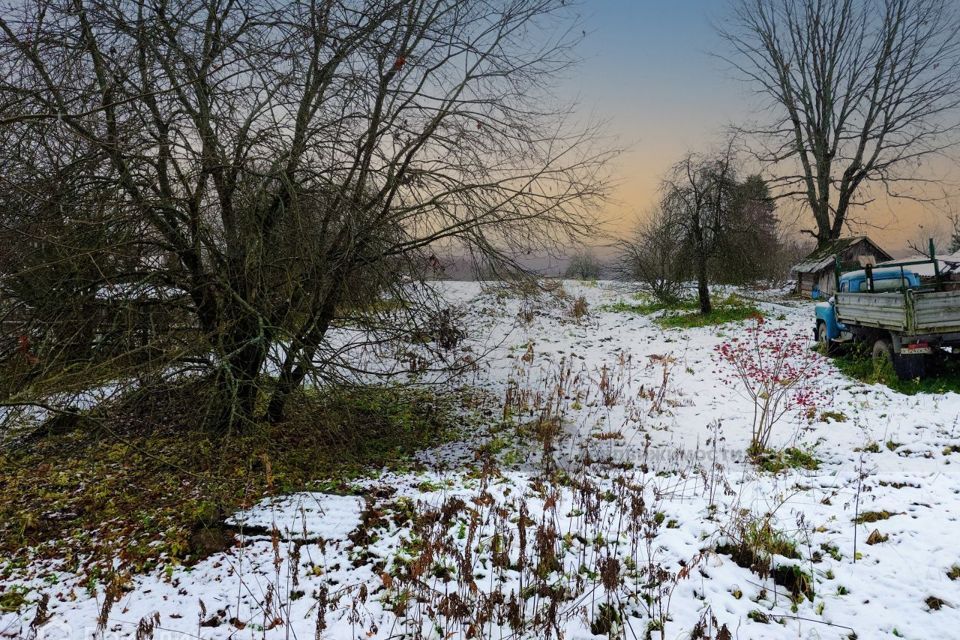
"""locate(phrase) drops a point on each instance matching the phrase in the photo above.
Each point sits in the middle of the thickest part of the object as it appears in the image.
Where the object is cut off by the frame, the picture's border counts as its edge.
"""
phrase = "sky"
(651, 72)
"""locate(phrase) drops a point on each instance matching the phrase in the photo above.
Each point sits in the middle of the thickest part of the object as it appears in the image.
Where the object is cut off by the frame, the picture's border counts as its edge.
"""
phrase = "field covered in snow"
(607, 494)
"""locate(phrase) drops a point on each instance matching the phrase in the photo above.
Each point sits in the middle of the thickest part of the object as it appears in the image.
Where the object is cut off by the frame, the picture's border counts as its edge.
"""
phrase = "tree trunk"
(700, 250)
(292, 376)
(829, 224)
(238, 380)
(277, 409)
(703, 285)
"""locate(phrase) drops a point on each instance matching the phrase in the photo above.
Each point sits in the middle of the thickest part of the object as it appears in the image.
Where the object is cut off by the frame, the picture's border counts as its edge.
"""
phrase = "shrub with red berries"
(778, 372)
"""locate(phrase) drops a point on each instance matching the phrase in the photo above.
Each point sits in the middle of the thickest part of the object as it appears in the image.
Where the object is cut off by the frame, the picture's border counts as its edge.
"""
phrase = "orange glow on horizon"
(891, 222)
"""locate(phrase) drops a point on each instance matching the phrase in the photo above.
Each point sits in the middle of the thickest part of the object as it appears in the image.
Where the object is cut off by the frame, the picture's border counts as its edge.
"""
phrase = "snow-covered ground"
(623, 544)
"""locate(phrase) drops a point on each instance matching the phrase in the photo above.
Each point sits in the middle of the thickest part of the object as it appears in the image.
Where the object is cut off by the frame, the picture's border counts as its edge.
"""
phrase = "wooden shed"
(816, 271)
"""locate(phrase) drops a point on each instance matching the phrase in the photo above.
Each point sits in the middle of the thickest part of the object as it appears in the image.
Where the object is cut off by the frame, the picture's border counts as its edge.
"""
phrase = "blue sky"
(649, 68)
(655, 57)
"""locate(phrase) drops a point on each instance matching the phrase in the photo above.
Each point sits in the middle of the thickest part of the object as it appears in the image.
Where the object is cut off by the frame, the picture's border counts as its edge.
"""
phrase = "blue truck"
(894, 313)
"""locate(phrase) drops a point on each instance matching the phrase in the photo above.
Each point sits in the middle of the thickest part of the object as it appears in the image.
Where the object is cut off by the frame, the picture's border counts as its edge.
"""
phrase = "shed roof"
(822, 257)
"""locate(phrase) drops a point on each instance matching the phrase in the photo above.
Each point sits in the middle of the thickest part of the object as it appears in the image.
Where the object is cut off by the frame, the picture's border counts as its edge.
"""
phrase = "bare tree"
(919, 243)
(862, 91)
(954, 245)
(698, 194)
(654, 255)
(584, 266)
(790, 249)
(272, 170)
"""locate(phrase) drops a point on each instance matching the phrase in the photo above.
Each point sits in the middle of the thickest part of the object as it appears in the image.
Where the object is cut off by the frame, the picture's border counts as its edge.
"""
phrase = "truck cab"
(828, 329)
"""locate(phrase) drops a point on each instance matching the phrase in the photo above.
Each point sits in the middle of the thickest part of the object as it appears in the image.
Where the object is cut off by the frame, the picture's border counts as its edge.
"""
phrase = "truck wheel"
(827, 347)
(882, 353)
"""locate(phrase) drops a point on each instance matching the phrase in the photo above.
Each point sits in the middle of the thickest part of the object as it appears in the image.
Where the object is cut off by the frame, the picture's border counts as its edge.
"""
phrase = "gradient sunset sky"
(649, 69)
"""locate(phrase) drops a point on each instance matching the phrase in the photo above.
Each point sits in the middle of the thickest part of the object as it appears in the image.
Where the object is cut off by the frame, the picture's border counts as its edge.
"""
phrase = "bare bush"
(790, 250)
(579, 309)
(777, 372)
(260, 174)
(653, 256)
(584, 266)
(954, 245)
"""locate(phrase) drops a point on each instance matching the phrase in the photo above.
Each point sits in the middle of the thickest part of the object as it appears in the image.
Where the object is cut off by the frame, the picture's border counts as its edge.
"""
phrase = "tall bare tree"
(271, 170)
(697, 195)
(862, 91)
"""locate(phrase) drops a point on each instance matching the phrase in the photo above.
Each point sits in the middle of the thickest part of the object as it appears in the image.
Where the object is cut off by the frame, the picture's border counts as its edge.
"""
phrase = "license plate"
(916, 349)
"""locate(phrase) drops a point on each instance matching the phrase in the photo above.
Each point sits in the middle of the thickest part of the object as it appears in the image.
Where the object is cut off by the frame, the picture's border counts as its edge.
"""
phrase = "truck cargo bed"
(936, 312)
(912, 313)
(881, 310)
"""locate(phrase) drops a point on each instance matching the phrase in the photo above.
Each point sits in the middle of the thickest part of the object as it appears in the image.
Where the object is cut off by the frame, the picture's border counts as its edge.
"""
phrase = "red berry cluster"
(776, 369)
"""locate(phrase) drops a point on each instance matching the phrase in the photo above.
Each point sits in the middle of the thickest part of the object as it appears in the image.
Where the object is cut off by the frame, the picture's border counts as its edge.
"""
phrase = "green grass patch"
(797, 581)
(758, 616)
(13, 599)
(646, 305)
(759, 535)
(943, 375)
(789, 458)
(833, 416)
(684, 313)
(873, 516)
(139, 484)
(870, 447)
(754, 543)
(733, 308)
